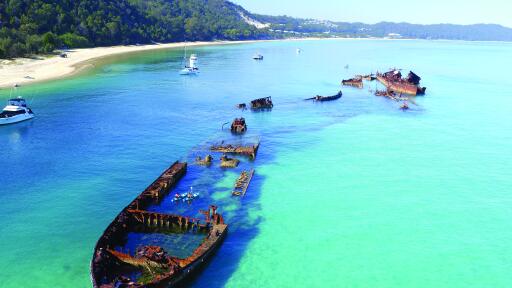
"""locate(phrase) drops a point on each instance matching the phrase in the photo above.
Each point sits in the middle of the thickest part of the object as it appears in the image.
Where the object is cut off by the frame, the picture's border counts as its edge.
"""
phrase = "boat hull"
(16, 119)
(353, 83)
(117, 227)
(189, 72)
(399, 87)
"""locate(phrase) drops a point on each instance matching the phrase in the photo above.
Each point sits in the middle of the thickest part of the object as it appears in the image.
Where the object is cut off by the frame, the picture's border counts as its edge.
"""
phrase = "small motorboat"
(299, 51)
(326, 98)
(257, 57)
(15, 111)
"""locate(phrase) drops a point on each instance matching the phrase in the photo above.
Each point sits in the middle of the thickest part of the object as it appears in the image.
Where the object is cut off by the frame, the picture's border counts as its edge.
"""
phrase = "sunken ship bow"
(151, 265)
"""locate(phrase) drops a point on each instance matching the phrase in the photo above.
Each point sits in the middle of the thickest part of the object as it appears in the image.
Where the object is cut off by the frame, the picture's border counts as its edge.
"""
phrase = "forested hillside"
(40, 26)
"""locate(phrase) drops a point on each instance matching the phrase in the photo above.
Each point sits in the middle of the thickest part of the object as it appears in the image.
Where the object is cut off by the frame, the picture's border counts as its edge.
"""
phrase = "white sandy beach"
(26, 71)
(23, 71)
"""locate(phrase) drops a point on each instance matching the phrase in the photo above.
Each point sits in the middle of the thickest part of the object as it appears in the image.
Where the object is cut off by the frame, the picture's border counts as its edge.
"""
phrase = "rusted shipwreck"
(226, 162)
(246, 150)
(319, 98)
(238, 126)
(242, 183)
(393, 81)
(262, 103)
(206, 161)
(150, 265)
(354, 82)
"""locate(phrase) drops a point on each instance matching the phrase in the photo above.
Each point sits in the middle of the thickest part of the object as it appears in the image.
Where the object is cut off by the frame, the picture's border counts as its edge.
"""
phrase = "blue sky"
(372, 11)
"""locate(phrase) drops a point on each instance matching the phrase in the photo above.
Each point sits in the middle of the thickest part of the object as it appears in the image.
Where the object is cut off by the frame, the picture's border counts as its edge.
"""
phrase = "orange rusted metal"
(393, 81)
(165, 270)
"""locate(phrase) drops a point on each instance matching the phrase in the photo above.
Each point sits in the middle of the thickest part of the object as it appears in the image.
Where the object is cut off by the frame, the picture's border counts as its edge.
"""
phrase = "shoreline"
(26, 71)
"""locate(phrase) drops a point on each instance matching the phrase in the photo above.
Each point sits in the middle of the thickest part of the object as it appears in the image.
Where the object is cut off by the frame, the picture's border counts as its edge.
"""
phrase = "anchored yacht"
(191, 68)
(15, 111)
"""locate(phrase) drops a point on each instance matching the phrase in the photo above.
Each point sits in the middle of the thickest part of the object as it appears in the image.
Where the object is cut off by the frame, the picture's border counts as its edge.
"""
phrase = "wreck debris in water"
(354, 82)
(242, 183)
(247, 150)
(206, 161)
(238, 126)
(153, 266)
(226, 162)
(319, 98)
(262, 103)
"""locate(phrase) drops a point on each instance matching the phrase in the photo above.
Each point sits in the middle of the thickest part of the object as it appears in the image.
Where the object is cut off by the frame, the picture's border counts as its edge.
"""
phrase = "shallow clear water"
(352, 193)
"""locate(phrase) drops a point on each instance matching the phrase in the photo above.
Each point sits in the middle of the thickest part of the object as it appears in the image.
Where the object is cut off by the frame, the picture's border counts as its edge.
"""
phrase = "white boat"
(15, 111)
(191, 68)
(257, 57)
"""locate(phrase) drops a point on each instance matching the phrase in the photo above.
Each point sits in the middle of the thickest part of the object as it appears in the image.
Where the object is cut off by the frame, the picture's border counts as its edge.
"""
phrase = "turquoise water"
(352, 193)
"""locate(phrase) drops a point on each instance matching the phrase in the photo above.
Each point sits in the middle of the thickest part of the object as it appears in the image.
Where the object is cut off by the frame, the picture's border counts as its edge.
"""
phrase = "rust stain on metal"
(393, 81)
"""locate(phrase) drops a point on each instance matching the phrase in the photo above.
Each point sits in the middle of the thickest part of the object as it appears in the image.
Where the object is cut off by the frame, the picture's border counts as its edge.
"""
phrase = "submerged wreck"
(226, 162)
(247, 150)
(262, 103)
(206, 161)
(393, 81)
(242, 183)
(151, 265)
(238, 126)
(354, 82)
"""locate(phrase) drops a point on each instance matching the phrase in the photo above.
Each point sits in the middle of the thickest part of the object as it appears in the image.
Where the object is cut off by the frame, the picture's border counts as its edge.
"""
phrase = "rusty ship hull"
(107, 264)
(401, 87)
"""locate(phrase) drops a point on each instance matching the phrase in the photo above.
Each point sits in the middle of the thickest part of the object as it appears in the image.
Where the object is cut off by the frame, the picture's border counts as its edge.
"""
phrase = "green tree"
(71, 40)
(49, 42)
(5, 46)
(33, 44)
